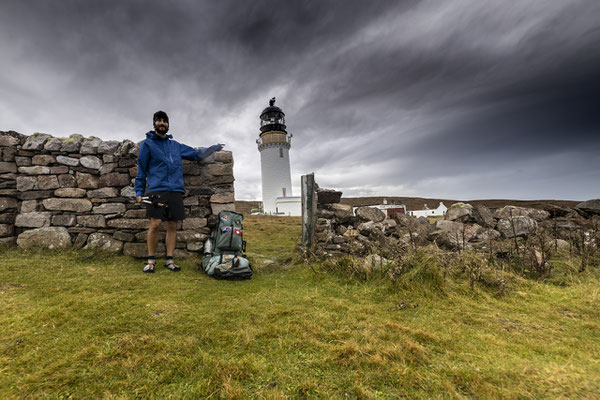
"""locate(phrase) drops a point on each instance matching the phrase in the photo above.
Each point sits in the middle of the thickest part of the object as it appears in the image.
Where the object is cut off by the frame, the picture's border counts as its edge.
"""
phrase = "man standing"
(160, 175)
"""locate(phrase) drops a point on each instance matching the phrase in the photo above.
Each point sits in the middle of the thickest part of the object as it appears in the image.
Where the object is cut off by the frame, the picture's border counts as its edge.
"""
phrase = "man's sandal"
(172, 266)
(149, 268)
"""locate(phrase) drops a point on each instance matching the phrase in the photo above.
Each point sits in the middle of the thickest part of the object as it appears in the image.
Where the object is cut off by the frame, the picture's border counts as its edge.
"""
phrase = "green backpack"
(223, 251)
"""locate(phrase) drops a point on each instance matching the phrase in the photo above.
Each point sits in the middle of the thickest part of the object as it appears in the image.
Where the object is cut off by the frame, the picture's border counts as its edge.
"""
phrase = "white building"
(274, 145)
(427, 212)
(388, 209)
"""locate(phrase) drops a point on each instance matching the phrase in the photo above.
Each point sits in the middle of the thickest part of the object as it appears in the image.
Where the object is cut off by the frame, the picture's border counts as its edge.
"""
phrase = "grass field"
(81, 325)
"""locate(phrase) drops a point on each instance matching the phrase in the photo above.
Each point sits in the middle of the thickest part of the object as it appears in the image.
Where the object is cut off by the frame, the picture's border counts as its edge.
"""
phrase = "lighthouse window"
(280, 152)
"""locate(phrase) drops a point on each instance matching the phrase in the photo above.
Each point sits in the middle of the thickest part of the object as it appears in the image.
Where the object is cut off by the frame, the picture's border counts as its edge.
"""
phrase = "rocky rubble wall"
(78, 192)
(339, 230)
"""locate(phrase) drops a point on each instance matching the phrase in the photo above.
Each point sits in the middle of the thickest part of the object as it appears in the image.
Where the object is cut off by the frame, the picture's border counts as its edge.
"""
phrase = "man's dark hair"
(160, 114)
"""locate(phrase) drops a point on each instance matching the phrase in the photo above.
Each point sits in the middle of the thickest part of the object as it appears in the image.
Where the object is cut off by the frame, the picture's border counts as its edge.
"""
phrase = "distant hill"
(418, 203)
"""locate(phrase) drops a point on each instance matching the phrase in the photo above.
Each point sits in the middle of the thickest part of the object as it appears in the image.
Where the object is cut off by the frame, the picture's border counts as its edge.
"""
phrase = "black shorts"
(167, 206)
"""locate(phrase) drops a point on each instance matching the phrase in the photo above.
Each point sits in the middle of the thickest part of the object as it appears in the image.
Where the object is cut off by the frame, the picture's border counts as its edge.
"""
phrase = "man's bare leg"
(153, 235)
(171, 238)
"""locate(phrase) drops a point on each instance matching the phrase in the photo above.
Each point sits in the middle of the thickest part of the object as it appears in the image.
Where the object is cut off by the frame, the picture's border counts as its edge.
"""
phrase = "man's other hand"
(138, 199)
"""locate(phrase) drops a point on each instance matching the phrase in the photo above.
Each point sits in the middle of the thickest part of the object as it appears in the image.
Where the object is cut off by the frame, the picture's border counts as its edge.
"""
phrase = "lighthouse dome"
(272, 118)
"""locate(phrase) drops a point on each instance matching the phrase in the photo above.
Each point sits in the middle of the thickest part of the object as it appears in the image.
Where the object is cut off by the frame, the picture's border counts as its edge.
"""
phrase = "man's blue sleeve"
(189, 153)
(142, 170)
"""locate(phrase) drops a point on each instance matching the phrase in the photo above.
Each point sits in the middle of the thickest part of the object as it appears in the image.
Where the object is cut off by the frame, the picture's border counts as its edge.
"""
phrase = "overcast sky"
(461, 99)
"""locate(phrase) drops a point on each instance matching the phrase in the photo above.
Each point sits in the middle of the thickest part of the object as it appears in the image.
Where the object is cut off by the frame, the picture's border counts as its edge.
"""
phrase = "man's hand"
(138, 199)
(222, 145)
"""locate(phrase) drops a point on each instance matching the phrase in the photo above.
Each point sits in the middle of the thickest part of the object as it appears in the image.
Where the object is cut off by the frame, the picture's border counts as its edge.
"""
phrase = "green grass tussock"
(426, 325)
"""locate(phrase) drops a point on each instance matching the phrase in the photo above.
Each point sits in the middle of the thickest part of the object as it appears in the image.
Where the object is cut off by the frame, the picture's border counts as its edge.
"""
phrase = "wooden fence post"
(309, 209)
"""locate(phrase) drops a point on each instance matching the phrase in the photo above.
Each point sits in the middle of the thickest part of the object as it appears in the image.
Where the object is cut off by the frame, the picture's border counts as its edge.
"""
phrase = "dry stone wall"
(78, 192)
(339, 231)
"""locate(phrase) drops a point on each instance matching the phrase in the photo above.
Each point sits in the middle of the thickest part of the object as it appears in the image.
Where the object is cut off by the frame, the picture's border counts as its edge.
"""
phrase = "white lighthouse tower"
(274, 146)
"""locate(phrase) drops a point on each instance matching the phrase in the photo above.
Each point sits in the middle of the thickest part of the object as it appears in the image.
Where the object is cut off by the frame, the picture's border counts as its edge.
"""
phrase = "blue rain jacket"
(159, 163)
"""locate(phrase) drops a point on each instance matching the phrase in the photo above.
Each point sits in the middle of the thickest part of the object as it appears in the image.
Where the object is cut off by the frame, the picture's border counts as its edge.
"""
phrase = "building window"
(283, 191)
(280, 152)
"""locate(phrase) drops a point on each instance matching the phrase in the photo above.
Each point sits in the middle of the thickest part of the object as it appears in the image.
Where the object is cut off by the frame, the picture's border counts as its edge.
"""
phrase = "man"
(160, 169)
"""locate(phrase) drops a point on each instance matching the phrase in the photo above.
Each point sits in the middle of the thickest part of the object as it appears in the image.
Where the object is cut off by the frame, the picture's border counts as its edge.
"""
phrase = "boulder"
(590, 206)
(104, 242)
(74, 205)
(512, 211)
(462, 212)
(46, 237)
(523, 226)
(8, 140)
(370, 214)
(342, 212)
(328, 196)
(484, 217)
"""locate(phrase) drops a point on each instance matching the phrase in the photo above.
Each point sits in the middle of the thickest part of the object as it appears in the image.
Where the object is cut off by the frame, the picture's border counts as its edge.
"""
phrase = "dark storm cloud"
(387, 97)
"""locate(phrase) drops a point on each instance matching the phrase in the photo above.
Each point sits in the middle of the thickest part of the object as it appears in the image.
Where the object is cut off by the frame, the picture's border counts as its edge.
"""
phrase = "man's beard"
(161, 129)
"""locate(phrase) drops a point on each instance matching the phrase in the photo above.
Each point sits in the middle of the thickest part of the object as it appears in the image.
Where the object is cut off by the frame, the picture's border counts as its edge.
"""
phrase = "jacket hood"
(152, 135)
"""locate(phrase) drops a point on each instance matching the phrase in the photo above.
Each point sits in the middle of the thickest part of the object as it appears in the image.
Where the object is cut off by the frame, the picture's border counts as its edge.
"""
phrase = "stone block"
(223, 156)
(104, 242)
(124, 236)
(103, 193)
(87, 181)
(25, 183)
(8, 217)
(190, 201)
(8, 241)
(111, 208)
(222, 198)
(91, 221)
(107, 168)
(46, 237)
(59, 169)
(114, 179)
(7, 203)
(109, 158)
(217, 180)
(70, 161)
(47, 182)
(33, 219)
(220, 169)
(141, 213)
(133, 172)
(8, 141)
(128, 223)
(108, 147)
(28, 206)
(74, 205)
(91, 162)
(70, 192)
(80, 240)
(72, 144)
(8, 154)
(217, 207)
(127, 162)
(140, 250)
(194, 223)
(36, 141)
(67, 181)
(6, 230)
(43, 159)
(34, 170)
(22, 162)
(64, 220)
(53, 144)
(128, 192)
(90, 146)
(34, 194)
(328, 196)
